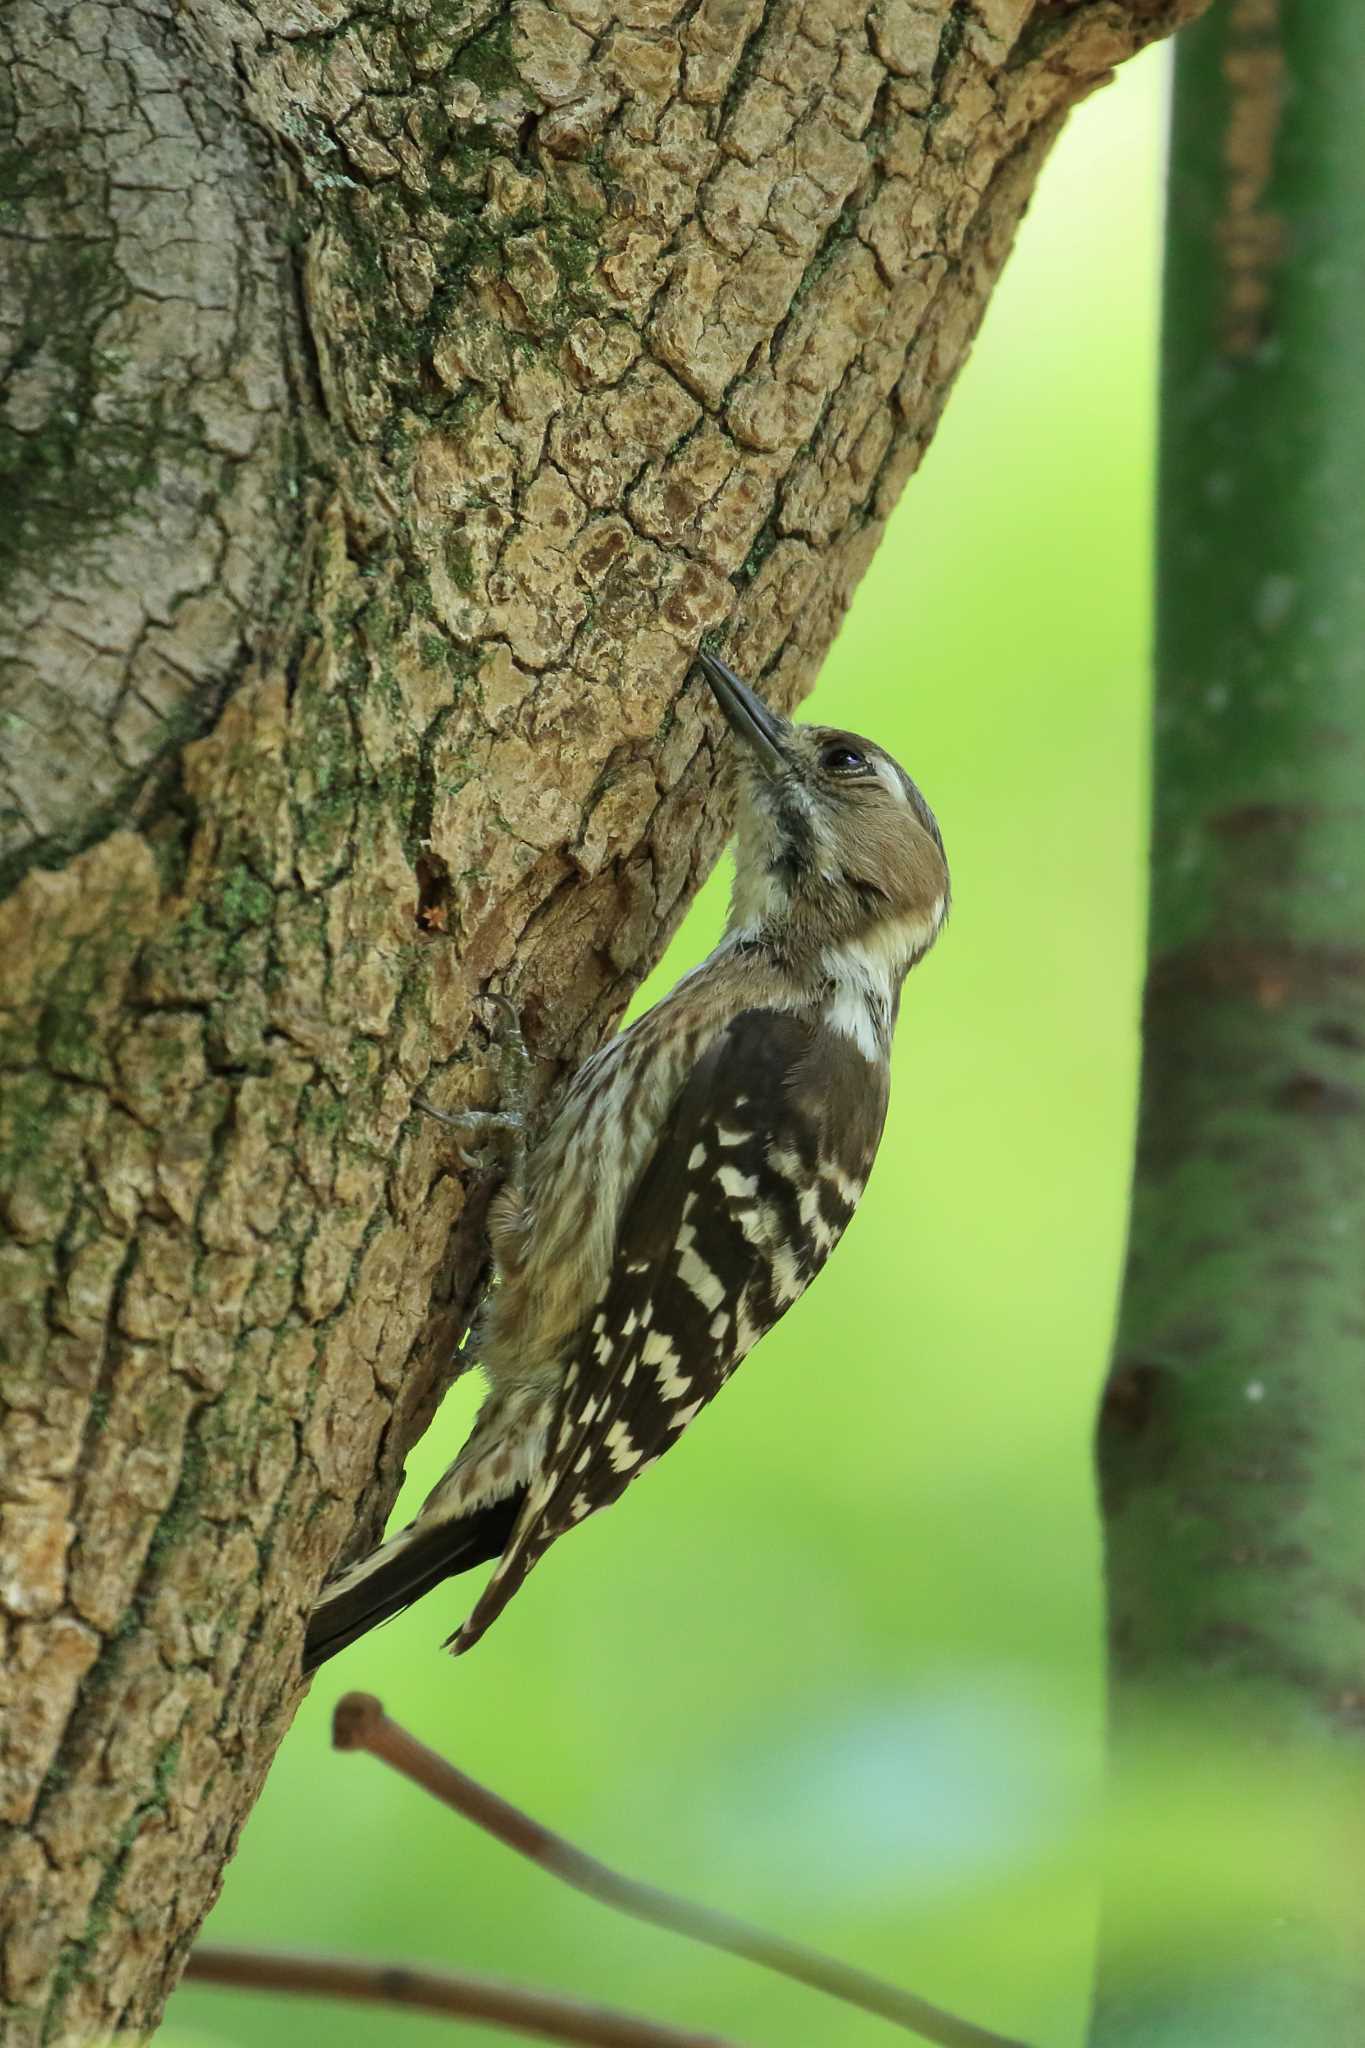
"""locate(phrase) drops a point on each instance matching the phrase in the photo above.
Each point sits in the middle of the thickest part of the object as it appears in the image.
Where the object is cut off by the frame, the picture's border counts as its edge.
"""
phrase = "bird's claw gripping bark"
(514, 1062)
(502, 1130)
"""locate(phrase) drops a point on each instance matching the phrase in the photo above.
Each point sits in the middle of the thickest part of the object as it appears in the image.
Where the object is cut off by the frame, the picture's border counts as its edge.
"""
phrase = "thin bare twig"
(361, 1723)
(454, 1996)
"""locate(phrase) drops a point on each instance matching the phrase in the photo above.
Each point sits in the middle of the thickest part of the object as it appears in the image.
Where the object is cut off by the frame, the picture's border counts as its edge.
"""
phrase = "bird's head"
(836, 850)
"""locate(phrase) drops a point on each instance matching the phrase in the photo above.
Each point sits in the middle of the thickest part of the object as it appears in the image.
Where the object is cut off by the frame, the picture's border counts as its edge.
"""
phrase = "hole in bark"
(433, 893)
(1250, 821)
(1333, 1032)
(1314, 1095)
(1130, 1398)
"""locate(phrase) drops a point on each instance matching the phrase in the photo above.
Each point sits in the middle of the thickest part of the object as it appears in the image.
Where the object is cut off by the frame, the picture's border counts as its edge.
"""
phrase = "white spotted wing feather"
(756, 1172)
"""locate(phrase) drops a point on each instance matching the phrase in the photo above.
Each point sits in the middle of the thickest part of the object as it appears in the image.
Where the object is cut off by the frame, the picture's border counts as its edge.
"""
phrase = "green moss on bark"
(70, 468)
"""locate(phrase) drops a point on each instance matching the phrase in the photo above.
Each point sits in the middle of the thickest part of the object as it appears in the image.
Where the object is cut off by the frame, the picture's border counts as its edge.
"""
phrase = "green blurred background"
(836, 1666)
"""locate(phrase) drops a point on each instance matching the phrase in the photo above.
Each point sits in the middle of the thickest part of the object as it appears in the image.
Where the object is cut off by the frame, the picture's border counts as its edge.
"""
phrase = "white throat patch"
(867, 974)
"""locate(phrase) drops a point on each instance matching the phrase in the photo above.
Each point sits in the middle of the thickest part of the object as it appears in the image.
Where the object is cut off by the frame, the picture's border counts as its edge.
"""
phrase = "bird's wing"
(756, 1173)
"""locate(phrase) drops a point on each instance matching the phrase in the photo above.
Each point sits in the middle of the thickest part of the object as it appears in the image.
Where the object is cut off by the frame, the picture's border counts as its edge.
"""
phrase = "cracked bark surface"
(431, 378)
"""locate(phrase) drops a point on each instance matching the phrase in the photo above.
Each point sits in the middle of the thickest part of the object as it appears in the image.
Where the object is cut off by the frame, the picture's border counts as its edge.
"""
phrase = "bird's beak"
(762, 729)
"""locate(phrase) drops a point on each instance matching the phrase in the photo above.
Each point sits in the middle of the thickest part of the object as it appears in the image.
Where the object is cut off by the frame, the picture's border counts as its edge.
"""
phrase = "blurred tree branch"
(537, 2014)
(1231, 1437)
(361, 1723)
(393, 395)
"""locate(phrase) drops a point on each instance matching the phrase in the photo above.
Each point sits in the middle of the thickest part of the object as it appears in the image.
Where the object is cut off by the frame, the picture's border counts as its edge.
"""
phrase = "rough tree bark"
(393, 397)
(1231, 1440)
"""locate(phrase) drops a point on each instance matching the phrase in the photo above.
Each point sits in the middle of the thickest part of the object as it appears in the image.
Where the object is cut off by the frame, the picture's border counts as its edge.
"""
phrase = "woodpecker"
(698, 1173)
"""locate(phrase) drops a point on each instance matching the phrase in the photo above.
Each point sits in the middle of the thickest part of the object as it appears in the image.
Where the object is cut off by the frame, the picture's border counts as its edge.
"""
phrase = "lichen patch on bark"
(1251, 233)
(143, 398)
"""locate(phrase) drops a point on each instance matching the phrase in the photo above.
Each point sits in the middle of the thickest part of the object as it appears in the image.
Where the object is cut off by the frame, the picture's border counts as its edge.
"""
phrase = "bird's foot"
(500, 1131)
(514, 1061)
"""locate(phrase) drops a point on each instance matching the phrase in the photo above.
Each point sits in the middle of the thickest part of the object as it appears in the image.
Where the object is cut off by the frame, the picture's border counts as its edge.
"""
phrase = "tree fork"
(1230, 1444)
(393, 403)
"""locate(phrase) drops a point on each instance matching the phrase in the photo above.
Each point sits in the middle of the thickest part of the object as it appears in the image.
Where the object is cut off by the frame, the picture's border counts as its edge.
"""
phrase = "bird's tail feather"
(400, 1571)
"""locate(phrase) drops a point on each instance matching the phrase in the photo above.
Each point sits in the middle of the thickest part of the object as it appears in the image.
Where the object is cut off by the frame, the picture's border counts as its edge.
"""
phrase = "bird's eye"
(842, 759)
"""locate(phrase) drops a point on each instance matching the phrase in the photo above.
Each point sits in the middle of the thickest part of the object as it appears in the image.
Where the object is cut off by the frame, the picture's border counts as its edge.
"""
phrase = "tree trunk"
(1231, 1439)
(394, 396)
